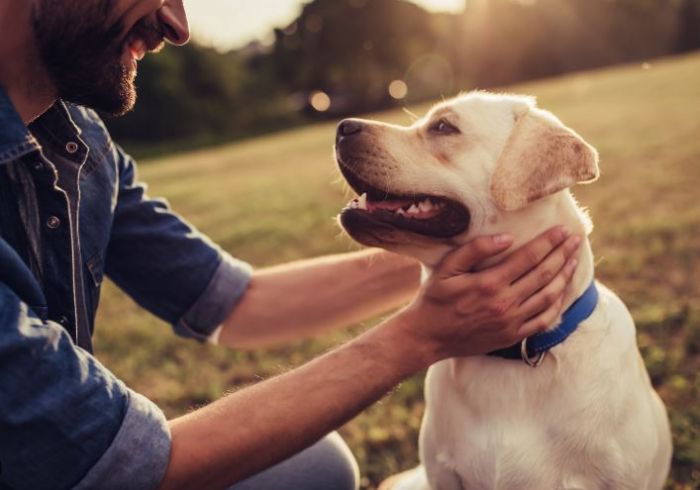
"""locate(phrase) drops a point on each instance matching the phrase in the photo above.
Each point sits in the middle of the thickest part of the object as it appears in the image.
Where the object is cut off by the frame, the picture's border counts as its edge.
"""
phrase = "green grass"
(272, 199)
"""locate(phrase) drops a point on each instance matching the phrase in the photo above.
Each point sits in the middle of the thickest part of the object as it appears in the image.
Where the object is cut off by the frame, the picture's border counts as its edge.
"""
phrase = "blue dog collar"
(533, 349)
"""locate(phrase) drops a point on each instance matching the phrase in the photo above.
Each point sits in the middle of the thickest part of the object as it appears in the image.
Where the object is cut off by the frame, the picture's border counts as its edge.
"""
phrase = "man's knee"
(327, 465)
(338, 463)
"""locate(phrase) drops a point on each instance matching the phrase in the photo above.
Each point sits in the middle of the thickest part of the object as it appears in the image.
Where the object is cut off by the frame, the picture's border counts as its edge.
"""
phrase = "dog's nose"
(348, 127)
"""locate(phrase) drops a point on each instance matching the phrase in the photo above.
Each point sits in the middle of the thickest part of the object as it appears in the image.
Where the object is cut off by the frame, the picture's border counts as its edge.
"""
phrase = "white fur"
(588, 417)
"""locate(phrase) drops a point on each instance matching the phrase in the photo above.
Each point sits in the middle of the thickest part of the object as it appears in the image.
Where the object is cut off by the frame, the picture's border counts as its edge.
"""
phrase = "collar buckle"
(534, 361)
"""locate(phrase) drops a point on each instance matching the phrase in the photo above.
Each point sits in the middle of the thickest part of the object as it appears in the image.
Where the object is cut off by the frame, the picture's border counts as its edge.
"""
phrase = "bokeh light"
(398, 89)
(320, 101)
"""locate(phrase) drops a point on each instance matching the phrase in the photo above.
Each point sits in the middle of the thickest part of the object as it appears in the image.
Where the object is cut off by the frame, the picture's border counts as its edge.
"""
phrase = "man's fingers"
(531, 254)
(464, 259)
(550, 294)
(541, 321)
(547, 270)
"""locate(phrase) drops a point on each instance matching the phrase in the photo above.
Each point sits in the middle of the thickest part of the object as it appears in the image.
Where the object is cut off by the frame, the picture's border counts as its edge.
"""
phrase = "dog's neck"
(558, 209)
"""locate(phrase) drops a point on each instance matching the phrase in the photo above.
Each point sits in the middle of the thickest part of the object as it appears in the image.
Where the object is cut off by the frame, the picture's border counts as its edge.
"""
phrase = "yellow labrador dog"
(570, 408)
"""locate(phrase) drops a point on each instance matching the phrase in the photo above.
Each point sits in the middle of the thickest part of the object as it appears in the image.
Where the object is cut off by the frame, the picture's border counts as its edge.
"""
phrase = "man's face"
(90, 48)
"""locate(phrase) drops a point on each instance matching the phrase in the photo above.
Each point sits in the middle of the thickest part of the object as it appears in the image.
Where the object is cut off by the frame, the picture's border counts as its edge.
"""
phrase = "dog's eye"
(443, 127)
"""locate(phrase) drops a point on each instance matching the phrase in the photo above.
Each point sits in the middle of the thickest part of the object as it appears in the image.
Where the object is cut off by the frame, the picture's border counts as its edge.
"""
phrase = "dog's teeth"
(413, 209)
(425, 205)
(362, 202)
(400, 212)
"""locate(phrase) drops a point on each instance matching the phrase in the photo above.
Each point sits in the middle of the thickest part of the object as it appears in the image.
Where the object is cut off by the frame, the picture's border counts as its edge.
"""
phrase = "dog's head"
(467, 168)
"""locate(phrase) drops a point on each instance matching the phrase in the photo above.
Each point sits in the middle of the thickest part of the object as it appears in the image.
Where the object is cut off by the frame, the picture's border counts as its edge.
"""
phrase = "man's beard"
(82, 48)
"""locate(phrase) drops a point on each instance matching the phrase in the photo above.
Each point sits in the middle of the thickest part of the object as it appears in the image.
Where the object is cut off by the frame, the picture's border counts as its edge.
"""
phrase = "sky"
(233, 23)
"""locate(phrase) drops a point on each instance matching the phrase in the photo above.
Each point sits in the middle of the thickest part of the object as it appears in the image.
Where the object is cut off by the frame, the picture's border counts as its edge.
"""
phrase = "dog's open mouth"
(425, 214)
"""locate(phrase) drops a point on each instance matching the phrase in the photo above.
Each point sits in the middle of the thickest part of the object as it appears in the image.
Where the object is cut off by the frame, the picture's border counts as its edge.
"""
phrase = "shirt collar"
(17, 140)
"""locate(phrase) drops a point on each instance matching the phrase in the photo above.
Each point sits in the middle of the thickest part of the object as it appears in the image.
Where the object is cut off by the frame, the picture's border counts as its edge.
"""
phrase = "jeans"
(327, 465)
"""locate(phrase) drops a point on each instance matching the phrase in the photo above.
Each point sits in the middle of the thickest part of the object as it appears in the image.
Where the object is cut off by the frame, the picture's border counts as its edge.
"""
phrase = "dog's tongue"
(390, 205)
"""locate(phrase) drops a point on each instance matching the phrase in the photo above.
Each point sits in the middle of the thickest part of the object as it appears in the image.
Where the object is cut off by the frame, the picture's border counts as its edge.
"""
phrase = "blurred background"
(236, 130)
(289, 62)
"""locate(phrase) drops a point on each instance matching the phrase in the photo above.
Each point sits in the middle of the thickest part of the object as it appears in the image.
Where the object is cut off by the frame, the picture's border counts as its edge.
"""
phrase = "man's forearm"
(305, 298)
(259, 426)
(453, 316)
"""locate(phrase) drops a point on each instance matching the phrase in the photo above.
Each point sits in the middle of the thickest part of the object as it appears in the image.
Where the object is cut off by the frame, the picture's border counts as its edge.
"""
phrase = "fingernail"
(502, 239)
(577, 240)
(571, 266)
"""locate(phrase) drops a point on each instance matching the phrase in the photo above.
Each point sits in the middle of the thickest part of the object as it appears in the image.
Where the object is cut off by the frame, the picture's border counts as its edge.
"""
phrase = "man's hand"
(460, 313)
(457, 313)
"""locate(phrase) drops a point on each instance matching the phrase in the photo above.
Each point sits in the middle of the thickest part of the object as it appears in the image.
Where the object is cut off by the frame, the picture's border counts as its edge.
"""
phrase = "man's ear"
(541, 157)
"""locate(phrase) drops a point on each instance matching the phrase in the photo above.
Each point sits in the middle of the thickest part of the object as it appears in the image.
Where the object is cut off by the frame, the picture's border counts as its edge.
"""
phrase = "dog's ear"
(541, 157)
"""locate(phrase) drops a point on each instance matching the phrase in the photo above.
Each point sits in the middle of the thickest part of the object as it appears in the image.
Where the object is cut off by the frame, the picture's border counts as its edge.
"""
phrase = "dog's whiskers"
(414, 117)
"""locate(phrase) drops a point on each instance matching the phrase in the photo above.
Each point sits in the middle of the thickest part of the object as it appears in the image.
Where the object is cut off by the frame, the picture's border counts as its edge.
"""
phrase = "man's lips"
(146, 36)
(137, 47)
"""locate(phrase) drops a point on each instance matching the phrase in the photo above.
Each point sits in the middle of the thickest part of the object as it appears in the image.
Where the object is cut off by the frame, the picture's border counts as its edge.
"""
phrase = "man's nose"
(348, 127)
(174, 19)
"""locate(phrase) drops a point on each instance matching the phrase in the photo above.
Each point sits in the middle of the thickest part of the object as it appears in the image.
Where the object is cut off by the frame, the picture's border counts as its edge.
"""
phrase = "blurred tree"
(353, 49)
(511, 40)
(688, 26)
(193, 92)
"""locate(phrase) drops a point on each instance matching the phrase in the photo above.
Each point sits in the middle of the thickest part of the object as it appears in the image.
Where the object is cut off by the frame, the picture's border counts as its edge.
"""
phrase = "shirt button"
(63, 321)
(53, 222)
(71, 147)
(38, 166)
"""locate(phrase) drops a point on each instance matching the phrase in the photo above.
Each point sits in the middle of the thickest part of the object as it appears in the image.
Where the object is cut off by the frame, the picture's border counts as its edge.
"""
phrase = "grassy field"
(273, 199)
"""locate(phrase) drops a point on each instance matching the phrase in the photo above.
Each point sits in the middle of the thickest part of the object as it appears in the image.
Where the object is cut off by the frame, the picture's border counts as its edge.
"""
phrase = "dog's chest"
(502, 424)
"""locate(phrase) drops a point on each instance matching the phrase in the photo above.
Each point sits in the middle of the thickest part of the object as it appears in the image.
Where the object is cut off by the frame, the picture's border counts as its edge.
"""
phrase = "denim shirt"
(71, 212)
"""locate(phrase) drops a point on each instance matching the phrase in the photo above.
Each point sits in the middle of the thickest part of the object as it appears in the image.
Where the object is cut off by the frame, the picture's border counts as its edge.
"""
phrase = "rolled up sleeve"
(139, 453)
(166, 265)
(65, 420)
(225, 290)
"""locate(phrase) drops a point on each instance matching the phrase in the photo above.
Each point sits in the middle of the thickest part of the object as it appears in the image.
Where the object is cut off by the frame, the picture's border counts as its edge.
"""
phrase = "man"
(71, 210)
